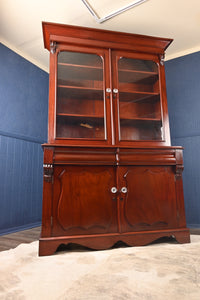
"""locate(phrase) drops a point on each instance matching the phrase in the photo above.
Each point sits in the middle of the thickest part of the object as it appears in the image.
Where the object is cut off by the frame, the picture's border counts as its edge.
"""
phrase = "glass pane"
(139, 100)
(80, 96)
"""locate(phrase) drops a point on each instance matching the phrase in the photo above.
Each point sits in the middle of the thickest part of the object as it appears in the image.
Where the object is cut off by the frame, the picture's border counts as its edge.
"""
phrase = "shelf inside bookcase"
(140, 109)
(74, 66)
(80, 58)
(139, 65)
(140, 121)
(135, 96)
(80, 126)
(139, 100)
(80, 96)
(73, 71)
(137, 76)
(80, 92)
(83, 116)
(81, 88)
(77, 106)
(141, 130)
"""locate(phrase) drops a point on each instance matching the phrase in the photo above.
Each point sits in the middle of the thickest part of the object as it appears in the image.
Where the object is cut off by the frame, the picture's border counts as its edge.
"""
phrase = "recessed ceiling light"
(112, 14)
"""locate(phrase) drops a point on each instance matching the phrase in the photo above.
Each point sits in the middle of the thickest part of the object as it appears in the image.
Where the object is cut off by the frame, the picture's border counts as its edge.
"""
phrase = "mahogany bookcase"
(110, 172)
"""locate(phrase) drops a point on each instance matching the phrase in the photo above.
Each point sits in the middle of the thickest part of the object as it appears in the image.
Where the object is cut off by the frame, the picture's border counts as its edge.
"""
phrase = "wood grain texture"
(82, 203)
(99, 242)
(115, 118)
(63, 33)
(82, 200)
(12, 240)
(150, 202)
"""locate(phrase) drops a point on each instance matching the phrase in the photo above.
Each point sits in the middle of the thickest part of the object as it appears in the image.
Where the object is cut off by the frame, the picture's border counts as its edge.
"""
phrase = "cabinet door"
(150, 201)
(82, 200)
(82, 111)
(138, 110)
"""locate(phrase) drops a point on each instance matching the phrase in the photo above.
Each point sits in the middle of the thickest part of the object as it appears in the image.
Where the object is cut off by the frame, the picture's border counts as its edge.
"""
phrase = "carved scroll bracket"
(179, 171)
(117, 157)
(162, 59)
(48, 172)
(53, 47)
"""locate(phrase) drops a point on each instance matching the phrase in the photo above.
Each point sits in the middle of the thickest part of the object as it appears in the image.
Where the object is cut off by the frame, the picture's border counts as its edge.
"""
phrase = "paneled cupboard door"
(84, 200)
(137, 98)
(147, 198)
(82, 109)
(107, 97)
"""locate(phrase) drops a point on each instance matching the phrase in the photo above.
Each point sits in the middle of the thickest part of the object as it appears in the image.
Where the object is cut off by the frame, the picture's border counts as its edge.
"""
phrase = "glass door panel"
(80, 111)
(139, 100)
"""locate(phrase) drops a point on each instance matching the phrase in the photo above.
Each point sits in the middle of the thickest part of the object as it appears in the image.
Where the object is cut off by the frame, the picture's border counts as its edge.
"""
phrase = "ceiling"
(21, 29)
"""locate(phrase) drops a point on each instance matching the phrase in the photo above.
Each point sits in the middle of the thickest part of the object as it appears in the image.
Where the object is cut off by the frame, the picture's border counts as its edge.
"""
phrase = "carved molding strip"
(179, 171)
(48, 172)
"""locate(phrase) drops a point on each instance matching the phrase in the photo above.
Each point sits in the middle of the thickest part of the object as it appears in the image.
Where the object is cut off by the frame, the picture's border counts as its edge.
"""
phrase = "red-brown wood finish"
(110, 172)
(150, 201)
(80, 204)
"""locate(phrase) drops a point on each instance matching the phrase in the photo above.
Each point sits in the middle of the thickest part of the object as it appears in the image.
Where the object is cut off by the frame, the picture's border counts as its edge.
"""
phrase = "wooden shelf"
(80, 120)
(136, 96)
(145, 120)
(79, 87)
(126, 75)
(71, 71)
(79, 66)
(138, 71)
(81, 92)
(96, 117)
(80, 116)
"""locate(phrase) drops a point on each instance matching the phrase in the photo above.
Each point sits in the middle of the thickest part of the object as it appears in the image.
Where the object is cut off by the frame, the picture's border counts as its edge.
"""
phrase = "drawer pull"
(124, 190)
(114, 190)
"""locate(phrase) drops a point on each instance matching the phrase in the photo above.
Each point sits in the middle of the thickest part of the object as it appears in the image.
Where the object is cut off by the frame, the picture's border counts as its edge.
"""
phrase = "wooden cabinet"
(110, 172)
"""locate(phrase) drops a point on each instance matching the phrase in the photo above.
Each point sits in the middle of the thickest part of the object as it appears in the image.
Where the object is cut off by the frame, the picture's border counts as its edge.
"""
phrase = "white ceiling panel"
(21, 29)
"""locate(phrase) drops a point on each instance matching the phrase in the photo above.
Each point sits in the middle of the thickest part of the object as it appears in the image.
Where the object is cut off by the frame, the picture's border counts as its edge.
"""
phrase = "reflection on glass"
(139, 100)
(80, 98)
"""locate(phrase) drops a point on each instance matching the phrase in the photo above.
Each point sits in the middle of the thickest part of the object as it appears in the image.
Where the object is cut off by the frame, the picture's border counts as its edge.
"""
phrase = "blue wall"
(183, 93)
(23, 128)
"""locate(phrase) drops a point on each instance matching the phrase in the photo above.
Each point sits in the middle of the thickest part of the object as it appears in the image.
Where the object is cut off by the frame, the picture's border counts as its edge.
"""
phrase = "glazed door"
(137, 98)
(82, 109)
(147, 198)
(84, 201)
